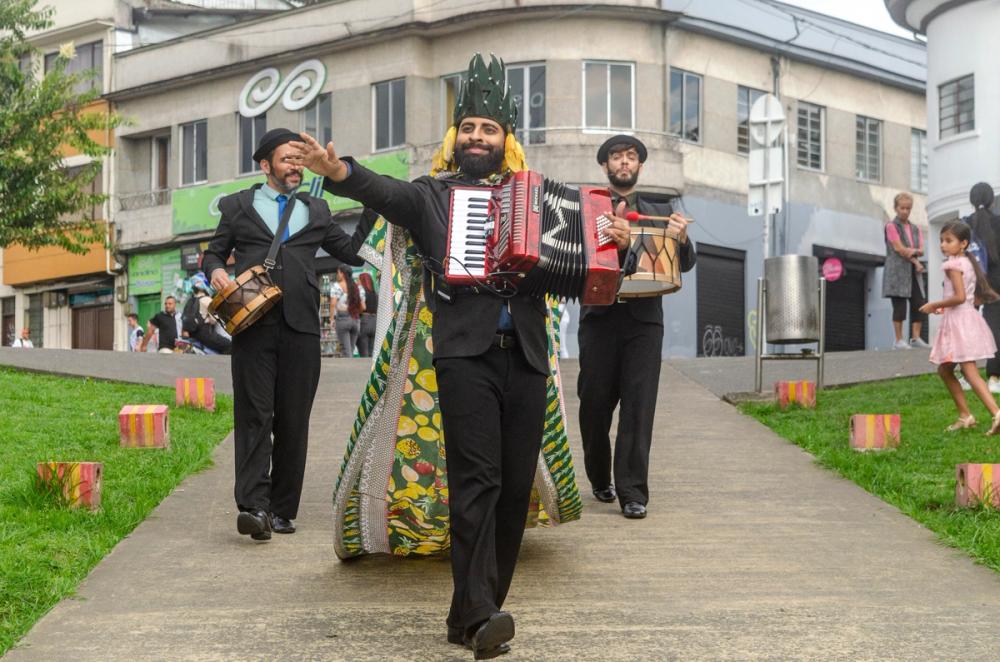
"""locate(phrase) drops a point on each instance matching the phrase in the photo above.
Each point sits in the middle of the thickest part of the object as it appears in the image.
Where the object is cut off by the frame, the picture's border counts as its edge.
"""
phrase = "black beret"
(272, 139)
(621, 139)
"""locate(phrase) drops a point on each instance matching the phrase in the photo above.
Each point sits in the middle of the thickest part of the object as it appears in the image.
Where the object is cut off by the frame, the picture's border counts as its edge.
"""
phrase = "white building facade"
(681, 78)
(963, 102)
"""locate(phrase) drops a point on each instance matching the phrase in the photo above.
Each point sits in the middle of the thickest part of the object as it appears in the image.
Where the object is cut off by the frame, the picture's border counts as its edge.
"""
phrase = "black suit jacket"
(465, 324)
(243, 229)
(648, 309)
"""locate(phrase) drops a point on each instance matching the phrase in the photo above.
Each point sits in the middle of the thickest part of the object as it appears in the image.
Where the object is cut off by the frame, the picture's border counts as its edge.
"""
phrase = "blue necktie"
(506, 321)
(282, 202)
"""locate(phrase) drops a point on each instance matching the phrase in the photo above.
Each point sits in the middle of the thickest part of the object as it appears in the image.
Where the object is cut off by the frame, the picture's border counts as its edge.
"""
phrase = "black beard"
(478, 166)
(623, 182)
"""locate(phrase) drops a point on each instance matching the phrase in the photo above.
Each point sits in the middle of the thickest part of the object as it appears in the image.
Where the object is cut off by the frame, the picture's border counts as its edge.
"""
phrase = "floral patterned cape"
(392, 493)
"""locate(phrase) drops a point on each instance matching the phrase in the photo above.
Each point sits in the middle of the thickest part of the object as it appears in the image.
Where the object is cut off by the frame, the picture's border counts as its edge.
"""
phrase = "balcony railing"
(135, 201)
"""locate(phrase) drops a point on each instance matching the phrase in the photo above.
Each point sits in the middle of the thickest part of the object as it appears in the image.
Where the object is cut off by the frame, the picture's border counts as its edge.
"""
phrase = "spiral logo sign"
(298, 90)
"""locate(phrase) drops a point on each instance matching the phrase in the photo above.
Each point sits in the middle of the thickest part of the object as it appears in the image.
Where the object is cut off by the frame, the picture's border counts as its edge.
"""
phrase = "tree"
(41, 204)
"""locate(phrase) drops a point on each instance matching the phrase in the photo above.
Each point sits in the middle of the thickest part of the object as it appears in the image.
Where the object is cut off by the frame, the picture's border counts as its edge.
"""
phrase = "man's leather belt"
(505, 340)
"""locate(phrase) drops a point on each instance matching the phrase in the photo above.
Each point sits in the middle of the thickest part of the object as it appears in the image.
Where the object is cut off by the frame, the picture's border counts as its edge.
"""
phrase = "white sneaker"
(994, 385)
(901, 344)
(964, 384)
(919, 342)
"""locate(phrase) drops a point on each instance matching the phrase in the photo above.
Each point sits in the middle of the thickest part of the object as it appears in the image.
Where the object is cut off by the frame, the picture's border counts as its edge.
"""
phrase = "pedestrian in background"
(903, 277)
(135, 332)
(348, 302)
(986, 232)
(25, 340)
(366, 336)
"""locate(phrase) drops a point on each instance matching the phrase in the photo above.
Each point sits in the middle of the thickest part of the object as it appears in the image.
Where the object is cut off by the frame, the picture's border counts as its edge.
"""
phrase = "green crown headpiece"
(485, 93)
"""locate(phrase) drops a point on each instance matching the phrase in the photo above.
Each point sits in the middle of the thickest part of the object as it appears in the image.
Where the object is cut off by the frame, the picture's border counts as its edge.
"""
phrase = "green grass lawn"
(919, 477)
(46, 550)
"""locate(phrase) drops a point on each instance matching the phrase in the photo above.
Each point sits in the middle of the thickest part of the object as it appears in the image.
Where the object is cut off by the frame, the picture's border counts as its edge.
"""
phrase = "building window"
(194, 152)
(88, 57)
(24, 64)
(809, 139)
(918, 161)
(685, 105)
(317, 119)
(608, 95)
(957, 107)
(251, 130)
(527, 84)
(160, 162)
(451, 87)
(390, 113)
(868, 138)
(95, 187)
(33, 318)
(7, 330)
(745, 98)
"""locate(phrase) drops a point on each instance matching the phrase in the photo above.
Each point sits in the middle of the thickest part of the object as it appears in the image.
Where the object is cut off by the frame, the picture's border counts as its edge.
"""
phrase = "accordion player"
(534, 235)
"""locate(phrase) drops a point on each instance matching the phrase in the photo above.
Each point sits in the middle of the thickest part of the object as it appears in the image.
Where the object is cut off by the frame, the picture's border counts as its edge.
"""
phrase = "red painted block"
(977, 484)
(144, 426)
(195, 392)
(874, 432)
(802, 393)
(80, 481)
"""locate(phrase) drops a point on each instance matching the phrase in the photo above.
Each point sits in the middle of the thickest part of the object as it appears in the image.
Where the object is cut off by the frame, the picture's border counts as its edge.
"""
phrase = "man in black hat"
(620, 347)
(490, 355)
(276, 361)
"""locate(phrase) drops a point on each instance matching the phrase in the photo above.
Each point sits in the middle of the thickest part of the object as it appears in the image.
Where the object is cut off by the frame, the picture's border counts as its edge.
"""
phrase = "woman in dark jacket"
(986, 231)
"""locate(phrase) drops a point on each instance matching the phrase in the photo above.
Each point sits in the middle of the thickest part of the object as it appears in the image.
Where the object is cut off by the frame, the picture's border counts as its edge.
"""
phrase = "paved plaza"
(750, 551)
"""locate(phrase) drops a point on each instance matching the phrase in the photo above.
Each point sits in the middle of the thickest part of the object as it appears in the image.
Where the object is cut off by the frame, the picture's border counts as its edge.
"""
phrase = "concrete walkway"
(750, 552)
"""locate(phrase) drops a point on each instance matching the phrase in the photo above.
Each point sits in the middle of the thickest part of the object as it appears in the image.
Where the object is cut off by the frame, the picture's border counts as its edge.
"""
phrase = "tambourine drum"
(245, 300)
(658, 270)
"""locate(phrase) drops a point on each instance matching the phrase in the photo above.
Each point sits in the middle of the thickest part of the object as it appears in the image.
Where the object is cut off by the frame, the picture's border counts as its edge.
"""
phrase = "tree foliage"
(41, 117)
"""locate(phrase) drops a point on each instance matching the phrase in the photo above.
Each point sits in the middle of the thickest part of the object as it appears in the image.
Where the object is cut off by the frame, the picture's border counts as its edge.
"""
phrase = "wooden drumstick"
(635, 216)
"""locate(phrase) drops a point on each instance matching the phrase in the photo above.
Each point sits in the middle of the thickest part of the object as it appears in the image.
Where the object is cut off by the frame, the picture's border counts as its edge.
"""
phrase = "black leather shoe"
(254, 523)
(634, 510)
(281, 525)
(490, 639)
(455, 636)
(607, 495)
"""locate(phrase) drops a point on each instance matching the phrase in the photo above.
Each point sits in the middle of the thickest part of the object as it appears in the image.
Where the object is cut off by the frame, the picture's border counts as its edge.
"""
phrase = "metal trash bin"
(792, 309)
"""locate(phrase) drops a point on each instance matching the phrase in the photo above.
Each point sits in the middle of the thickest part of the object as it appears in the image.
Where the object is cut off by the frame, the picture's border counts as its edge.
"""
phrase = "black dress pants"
(492, 408)
(275, 374)
(619, 362)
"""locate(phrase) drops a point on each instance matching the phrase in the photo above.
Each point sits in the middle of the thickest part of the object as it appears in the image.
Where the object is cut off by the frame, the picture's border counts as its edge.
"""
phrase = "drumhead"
(645, 287)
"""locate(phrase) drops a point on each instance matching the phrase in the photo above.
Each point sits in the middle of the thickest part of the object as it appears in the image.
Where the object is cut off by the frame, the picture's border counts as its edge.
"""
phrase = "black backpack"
(191, 319)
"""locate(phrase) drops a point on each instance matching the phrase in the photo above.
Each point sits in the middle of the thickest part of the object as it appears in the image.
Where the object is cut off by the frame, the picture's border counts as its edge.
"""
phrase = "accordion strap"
(272, 253)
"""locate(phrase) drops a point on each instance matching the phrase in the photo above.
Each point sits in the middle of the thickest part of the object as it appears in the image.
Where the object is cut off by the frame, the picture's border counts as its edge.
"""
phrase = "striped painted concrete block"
(801, 393)
(78, 482)
(874, 432)
(977, 484)
(144, 426)
(195, 392)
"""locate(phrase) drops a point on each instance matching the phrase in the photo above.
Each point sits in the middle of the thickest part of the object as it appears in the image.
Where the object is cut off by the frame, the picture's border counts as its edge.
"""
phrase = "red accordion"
(533, 235)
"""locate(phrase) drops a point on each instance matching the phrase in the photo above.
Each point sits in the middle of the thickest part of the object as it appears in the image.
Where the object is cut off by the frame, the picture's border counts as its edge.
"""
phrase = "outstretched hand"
(321, 160)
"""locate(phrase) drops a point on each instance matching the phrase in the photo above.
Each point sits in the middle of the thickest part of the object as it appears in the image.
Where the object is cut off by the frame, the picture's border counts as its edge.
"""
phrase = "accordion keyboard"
(470, 227)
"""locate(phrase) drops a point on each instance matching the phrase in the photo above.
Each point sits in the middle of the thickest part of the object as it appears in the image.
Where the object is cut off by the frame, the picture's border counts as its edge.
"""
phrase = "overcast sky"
(871, 13)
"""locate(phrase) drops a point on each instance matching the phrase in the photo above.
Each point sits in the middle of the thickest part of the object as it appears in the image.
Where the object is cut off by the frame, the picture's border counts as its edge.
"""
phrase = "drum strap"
(272, 253)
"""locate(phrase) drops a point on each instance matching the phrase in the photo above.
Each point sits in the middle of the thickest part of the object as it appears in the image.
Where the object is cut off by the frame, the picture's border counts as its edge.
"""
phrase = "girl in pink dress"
(963, 336)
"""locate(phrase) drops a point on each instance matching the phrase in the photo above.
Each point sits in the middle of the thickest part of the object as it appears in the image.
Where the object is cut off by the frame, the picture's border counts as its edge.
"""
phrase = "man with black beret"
(276, 361)
(620, 348)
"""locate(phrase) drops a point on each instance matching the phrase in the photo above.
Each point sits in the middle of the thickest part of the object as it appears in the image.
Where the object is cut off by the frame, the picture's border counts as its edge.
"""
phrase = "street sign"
(766, 158)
